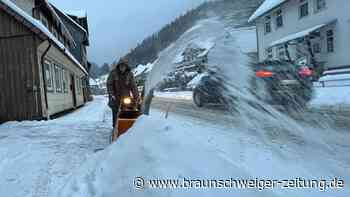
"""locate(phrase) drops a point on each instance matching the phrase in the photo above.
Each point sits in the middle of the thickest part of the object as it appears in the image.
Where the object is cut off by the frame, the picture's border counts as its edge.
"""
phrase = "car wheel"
(197, 98)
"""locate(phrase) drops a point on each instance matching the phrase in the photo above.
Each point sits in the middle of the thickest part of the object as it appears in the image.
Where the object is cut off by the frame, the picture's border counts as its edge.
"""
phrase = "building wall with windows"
(59, 85)
(294, 16)
(32, 90)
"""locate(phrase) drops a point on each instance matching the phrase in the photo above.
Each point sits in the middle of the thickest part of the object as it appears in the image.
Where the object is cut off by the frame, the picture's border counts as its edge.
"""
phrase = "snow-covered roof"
(70, 19)
(77, 13)
(43, 30)
(140, 69)
(93, 82)
(265, 7)
(297, 35)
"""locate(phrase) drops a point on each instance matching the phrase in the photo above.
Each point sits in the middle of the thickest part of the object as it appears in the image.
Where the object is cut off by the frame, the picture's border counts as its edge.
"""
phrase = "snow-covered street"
(37, 158)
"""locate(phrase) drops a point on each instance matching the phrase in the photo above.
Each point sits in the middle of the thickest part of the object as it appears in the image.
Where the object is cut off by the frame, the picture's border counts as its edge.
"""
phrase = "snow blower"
(130, 110)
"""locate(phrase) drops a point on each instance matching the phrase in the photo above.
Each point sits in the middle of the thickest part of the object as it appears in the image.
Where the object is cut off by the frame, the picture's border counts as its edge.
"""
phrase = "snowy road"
(37, 158)
(218, 115)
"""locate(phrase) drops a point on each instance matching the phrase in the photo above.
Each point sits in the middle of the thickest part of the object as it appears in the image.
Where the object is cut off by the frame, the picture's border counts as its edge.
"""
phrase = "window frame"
(281, 52)
(317, 8)
(267, 23)
(58, 83)
(49, 76)
(330, 37)
(279, 15)
(302, 4)
(269, 53)
(315, 49)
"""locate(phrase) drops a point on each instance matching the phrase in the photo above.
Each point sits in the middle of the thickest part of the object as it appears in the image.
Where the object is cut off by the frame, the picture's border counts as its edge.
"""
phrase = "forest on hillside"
(148, 50)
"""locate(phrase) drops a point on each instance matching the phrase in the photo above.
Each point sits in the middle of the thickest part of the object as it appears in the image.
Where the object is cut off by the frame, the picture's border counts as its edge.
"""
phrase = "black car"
(286, 83)
(210, 89)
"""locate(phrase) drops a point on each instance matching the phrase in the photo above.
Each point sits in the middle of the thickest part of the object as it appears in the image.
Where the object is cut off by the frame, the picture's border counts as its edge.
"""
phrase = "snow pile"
(182, 95)
(43, 29)
(180, 148)
(265, 7)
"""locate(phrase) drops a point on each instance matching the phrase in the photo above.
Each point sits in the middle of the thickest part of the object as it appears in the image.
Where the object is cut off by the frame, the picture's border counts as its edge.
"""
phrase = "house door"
(72, 88)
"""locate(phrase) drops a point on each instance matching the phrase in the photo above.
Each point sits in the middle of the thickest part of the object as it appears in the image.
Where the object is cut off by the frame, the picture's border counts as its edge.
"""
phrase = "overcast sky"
(116, 26)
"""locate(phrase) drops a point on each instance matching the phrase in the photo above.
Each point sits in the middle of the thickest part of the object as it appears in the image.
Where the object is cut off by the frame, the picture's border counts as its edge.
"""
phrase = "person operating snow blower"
(120, 84)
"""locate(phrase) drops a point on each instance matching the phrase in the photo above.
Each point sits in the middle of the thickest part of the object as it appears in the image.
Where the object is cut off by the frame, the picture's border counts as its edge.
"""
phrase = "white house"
(309, 29)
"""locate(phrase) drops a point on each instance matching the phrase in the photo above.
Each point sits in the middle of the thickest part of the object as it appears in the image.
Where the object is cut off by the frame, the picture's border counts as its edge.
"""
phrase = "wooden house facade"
(39, 77)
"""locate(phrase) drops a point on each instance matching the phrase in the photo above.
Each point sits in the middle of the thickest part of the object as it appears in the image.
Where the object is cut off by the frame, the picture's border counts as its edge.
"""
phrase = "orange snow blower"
(130, 110)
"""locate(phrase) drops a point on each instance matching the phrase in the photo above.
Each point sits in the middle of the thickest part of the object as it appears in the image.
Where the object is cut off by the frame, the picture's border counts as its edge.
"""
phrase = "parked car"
(287, 83)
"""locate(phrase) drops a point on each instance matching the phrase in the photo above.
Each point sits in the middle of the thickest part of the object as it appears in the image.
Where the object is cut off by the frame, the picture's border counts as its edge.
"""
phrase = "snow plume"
(226, 58)
(203, 35)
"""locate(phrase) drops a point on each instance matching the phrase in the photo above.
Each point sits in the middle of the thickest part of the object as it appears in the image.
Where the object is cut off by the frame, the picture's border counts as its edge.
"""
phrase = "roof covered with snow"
(266, 7)
(39, 26)
(140, 69)
(70, 19)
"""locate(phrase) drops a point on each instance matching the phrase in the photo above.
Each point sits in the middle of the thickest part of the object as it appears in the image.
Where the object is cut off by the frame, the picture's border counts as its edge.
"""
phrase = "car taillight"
(305, 72)
(264, 74)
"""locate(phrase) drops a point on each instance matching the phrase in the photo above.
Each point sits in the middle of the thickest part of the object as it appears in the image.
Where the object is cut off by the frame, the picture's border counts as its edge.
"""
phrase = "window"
(58, 79)
(320, 5)
(65, 81)
(44, 20)
(269, 53)
(330, 41)
(78, 85)
(303, 8)
(54, 32)
(281, 52)
(279, 18)
(316, 48)
(267, 24)
(48, 76)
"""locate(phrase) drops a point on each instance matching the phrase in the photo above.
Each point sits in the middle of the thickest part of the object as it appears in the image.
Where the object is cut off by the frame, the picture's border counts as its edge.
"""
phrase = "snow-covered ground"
(178, 148)
(37, 158)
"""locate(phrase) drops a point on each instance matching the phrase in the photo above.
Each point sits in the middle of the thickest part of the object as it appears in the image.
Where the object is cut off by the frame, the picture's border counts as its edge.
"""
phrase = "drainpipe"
(44, 75)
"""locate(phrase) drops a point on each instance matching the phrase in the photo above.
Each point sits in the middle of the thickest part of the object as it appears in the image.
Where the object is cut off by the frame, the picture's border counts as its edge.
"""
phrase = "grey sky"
(116, 26)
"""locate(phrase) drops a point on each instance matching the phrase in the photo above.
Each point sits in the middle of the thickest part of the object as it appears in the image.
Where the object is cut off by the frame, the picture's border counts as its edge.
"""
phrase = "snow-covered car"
(287, 83)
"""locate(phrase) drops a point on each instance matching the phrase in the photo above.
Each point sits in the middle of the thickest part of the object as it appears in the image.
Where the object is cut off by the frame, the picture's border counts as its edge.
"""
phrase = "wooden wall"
(19, 75)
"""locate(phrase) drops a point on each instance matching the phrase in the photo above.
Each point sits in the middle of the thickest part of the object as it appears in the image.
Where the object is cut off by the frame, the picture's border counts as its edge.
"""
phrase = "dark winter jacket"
(121, 85)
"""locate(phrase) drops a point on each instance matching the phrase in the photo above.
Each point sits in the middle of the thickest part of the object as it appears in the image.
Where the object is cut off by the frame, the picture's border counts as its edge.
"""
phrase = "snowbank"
(265, 7)
(178, 148)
